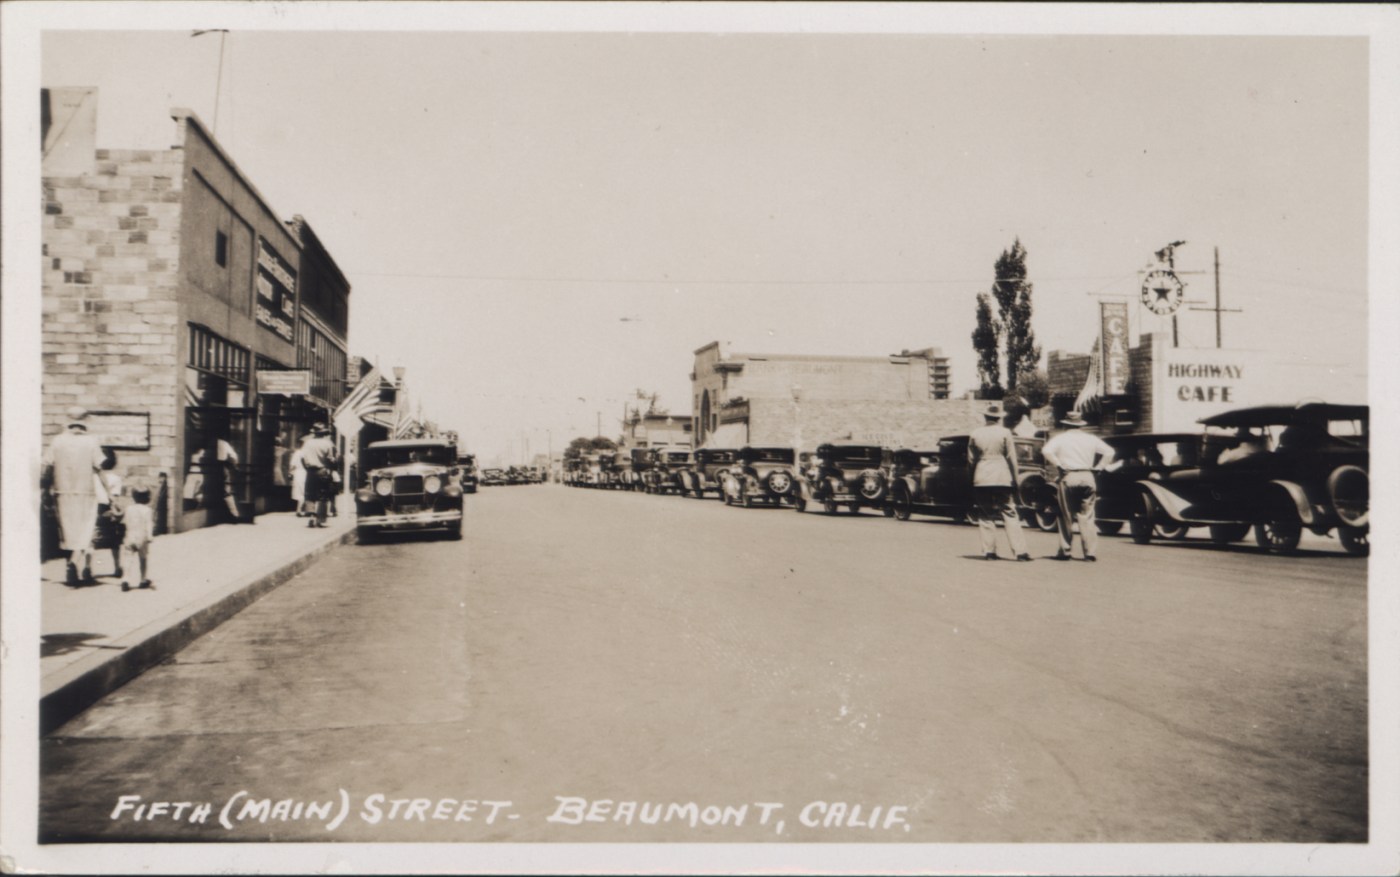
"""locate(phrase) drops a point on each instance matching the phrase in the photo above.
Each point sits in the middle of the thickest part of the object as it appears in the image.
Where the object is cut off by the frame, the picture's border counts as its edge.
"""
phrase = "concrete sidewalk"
(96, 638)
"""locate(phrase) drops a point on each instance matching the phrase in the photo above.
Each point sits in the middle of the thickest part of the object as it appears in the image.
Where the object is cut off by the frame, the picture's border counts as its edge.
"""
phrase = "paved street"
(607, 648)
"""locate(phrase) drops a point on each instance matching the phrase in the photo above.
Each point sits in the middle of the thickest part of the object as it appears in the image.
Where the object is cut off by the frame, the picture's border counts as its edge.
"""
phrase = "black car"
(1138, 457)
(1285, 468)
(840, 474)
(938, 482)
(767, 475)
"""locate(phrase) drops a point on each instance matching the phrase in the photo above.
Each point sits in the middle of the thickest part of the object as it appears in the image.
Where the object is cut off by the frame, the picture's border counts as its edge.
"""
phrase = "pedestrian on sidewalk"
(110, 509)
(72, 467)
(136, 541)
(1078, 455)
(991, 450)
(319, 458)
(299, 480)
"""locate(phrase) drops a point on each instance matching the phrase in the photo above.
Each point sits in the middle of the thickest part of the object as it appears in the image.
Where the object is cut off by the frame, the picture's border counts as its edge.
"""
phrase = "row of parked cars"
(1271, 470)
(513, 475)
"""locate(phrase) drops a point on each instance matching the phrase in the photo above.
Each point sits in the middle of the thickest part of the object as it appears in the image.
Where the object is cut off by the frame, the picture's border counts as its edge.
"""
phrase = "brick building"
(170, 291)
(784, 400)
(657, 431)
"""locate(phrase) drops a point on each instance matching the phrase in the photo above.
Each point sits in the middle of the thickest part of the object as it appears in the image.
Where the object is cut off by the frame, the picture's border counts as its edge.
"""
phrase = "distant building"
(784, 399)
(657, 431)
(181, 310)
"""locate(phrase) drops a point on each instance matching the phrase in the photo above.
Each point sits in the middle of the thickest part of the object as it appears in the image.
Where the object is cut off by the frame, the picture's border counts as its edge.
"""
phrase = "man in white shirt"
(1078, 455)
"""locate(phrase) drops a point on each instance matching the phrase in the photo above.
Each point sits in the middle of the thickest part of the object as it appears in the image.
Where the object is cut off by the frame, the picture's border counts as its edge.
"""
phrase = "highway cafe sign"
(1191, 384)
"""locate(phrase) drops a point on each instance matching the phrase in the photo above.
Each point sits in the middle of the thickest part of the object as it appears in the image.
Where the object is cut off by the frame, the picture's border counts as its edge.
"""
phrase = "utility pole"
(599, 433)
(1218, 309)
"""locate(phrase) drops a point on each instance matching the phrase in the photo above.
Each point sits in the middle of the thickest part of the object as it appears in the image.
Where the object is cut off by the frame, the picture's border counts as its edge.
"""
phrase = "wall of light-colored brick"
(111, 243)
(898, 424)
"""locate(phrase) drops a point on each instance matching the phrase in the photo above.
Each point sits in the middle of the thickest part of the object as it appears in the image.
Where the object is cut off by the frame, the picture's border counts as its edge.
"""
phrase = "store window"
(221, 248)
(217, 427)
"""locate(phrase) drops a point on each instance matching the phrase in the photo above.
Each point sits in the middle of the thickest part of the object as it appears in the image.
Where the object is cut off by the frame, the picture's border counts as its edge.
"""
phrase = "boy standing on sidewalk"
(140, 530)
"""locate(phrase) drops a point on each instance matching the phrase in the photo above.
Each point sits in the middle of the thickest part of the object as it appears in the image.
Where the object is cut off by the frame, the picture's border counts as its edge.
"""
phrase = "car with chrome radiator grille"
(766, 475)
(409, 484)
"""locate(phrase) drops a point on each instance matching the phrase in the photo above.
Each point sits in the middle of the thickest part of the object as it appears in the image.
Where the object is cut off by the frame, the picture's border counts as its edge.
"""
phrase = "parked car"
(640, 460)
(663, 475)
(761, 475)
(409, 484)
(841, 474)
(493, 477)
(1310, 469)
(707, 468)
(1138, 457)
(466, 472)
(573, 472)
(620, 473)
(938, 482)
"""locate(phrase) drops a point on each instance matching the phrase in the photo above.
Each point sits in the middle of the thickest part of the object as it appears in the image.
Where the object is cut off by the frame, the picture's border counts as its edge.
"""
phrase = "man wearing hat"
(72, 465)
(991, 450)
(319, 457)
(1078, 455)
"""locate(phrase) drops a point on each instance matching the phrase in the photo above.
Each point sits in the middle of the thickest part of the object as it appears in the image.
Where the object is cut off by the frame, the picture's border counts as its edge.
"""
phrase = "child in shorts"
(140, 530)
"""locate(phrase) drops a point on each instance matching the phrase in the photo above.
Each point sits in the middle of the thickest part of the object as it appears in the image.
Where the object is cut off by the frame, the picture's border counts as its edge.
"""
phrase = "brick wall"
(110, 321)
(1140, 374)
(914, 423)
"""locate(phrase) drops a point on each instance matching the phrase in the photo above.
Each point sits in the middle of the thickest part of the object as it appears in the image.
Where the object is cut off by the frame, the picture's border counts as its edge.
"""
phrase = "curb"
(73, 689)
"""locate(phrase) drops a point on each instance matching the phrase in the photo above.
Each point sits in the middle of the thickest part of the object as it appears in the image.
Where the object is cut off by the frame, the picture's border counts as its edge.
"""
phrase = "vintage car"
(663, 475)
(760, 475)
(620, 473)
(573, 472)
(594, 471)
(939, 483)
(841, 474)
(409, 484)
(1142, 456)
(706, 470)
(492, 477)
(1297, 466)
(639, 461)
(466, 472)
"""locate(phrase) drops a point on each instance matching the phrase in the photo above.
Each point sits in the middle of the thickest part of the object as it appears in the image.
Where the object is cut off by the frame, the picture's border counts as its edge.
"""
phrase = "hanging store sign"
(121, 430)
(277, 292)
(1114, 344)
(285, 382)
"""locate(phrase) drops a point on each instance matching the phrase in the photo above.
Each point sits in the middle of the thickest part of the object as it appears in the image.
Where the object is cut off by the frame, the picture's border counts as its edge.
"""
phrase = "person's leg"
(1066, 520)
(1011, 520)
(142, 553)
(1085, 497)
(986, 520)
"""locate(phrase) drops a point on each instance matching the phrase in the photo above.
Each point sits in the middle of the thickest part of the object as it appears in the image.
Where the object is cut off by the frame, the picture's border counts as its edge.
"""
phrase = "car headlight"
(384, 486)
(432, 484)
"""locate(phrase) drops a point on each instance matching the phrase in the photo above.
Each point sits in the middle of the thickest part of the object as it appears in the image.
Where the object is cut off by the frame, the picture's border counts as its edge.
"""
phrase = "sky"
(537, 224)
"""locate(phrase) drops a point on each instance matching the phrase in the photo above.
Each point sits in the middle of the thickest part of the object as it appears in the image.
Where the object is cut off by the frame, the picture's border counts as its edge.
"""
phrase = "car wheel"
(747, 501)
(1356, 540)
(903, 508)
(1350, 490)
(1140, 523)
(800, 504)
(872, 486)
(1109, 528)
(1047, 515)
(1224, 534)
(1171, 530)
(854, 507)
(454, 531)
(779, 482)
(829, 507)
(1281, 534)
(887, 510)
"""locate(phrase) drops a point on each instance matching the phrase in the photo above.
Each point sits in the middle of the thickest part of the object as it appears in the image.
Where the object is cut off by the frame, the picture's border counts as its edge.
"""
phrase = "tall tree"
(984, 341)
(1008, 337)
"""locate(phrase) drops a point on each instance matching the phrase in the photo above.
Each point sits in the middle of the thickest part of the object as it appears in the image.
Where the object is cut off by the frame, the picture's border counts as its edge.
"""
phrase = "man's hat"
(76, 417)
(321, 429)
(993, 412)
(1074, 419)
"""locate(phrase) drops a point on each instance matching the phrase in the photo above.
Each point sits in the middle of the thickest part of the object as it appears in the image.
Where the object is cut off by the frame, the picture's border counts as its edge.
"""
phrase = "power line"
(664, 281)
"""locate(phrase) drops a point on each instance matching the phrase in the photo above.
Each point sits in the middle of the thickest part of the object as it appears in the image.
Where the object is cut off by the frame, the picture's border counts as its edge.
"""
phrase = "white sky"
(501, 201)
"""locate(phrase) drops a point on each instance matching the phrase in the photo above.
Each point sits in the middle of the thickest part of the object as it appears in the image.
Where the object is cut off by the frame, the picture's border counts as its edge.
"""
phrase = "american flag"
(362, 403)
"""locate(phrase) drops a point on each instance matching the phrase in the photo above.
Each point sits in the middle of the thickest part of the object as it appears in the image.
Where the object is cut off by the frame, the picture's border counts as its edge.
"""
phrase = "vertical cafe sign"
(277, 292)
(1114, 344)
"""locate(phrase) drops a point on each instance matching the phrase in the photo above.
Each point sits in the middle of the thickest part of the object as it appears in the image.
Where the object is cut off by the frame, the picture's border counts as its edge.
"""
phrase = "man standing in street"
(72, 466)
(992, 452)
(1078, 455)
(319, 457)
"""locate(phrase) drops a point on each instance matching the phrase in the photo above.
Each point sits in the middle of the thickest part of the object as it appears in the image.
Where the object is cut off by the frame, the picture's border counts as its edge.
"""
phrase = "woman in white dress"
(298, 483)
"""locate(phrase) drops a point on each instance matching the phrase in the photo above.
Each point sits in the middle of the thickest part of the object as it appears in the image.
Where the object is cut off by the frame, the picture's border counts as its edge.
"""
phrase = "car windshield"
(441, 455)
(854, 455)
(770, 455)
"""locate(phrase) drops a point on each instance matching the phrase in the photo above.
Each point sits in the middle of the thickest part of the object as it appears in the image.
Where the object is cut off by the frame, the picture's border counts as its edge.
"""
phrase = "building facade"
(657, 431)
(1170, 389)
(171, 294)
(787, 400)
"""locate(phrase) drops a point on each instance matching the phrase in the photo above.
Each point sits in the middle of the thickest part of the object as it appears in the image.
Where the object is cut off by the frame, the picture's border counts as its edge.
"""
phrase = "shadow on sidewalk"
(51, 644)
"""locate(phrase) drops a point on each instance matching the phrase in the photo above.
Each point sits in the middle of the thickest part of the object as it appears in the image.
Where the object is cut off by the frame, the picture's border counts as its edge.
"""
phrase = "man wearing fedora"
(991, 450)
(72, 466)
(1078, 455)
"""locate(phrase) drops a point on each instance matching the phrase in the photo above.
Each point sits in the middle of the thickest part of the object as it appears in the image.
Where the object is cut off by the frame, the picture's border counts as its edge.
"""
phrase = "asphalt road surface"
(604, 666)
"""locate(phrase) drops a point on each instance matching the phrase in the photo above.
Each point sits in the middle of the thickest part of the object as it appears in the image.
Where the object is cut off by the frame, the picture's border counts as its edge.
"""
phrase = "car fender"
(1172, 506)
(1299, 497)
